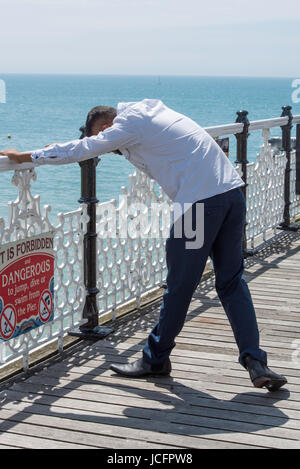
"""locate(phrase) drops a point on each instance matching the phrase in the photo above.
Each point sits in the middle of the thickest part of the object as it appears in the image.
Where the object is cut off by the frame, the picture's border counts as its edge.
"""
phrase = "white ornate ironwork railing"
(265, 191)
(128, 266)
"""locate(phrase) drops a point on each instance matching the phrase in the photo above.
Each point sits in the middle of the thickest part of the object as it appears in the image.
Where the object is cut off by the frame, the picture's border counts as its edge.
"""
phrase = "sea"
(42, 109)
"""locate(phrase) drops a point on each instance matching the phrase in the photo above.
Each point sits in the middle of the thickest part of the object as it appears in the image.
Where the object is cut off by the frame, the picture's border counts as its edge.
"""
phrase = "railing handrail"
(7, 165)
(214, 131)
(296, 120)
(227, 129)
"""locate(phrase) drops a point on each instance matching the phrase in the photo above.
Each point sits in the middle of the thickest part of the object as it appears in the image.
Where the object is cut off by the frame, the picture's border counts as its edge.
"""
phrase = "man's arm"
(110, 140)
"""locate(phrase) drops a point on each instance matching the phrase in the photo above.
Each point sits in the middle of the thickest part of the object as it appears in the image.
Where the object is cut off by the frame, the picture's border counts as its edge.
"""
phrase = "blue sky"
(192, 37)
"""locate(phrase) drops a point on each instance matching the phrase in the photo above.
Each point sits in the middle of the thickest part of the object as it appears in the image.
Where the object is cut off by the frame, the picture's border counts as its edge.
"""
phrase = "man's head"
(98, 119)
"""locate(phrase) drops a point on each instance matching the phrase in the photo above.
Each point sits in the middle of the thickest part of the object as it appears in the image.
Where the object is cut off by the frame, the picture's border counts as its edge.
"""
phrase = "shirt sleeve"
(109, 140)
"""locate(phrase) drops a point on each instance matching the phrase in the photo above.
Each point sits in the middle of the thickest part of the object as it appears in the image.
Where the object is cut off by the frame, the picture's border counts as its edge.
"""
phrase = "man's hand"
(17, 156)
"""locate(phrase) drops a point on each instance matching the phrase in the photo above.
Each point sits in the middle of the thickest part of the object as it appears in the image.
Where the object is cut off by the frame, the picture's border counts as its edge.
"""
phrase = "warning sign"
(26, 285)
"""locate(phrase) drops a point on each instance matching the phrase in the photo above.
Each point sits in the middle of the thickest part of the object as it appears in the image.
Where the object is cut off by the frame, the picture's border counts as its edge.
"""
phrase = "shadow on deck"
(208, 402)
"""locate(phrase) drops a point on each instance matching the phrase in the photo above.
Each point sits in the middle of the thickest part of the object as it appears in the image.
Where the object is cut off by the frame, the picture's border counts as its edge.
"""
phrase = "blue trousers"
(224, 220)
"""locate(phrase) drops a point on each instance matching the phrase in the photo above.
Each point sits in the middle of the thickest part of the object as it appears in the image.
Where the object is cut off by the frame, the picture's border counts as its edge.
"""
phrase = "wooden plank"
(216, 344)
(119, 386)
(24, 441)
(229, 369)
(204, 385)
(10, 447)
(262, 319)
(218, 340)
(211, 428)
(226, 410)
(191, 364)
(133, 429)
(181, 361)
(57, 431)
(108, 347)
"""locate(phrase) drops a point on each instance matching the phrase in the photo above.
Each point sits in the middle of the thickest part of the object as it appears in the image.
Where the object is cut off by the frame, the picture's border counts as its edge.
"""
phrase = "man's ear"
(106, 126)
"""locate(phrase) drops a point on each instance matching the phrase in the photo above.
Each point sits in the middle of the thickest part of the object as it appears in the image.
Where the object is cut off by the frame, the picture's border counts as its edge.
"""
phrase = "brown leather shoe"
(261, 376)
(141, 368)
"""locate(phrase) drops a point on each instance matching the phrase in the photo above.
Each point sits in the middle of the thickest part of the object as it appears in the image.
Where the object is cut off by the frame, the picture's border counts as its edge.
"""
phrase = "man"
(191, 168)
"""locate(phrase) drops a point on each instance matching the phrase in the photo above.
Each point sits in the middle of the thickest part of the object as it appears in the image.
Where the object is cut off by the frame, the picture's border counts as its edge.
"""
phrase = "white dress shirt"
(169, 147)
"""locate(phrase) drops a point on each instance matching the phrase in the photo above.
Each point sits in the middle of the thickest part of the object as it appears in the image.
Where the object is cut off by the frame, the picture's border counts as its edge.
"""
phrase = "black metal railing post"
(88, 197)
(91, 329)
(286, 147)
(241, 159)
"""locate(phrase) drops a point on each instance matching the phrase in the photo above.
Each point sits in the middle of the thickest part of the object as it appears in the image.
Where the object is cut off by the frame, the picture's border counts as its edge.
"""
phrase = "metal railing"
(106, 273)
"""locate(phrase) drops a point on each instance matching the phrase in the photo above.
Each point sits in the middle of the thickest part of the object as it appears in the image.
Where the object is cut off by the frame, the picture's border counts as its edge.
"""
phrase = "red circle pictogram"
(8, 321)
(45, 306)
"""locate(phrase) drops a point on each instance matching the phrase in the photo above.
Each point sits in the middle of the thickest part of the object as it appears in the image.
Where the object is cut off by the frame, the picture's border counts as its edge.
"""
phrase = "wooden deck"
(208, 402)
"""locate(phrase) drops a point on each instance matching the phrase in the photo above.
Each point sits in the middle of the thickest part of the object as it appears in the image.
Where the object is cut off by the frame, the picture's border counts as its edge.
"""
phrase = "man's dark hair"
(99, 112)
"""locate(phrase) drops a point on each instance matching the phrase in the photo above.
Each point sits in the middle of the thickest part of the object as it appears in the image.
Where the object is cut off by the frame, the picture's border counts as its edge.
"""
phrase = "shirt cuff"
(36, 155)
(41, 156)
